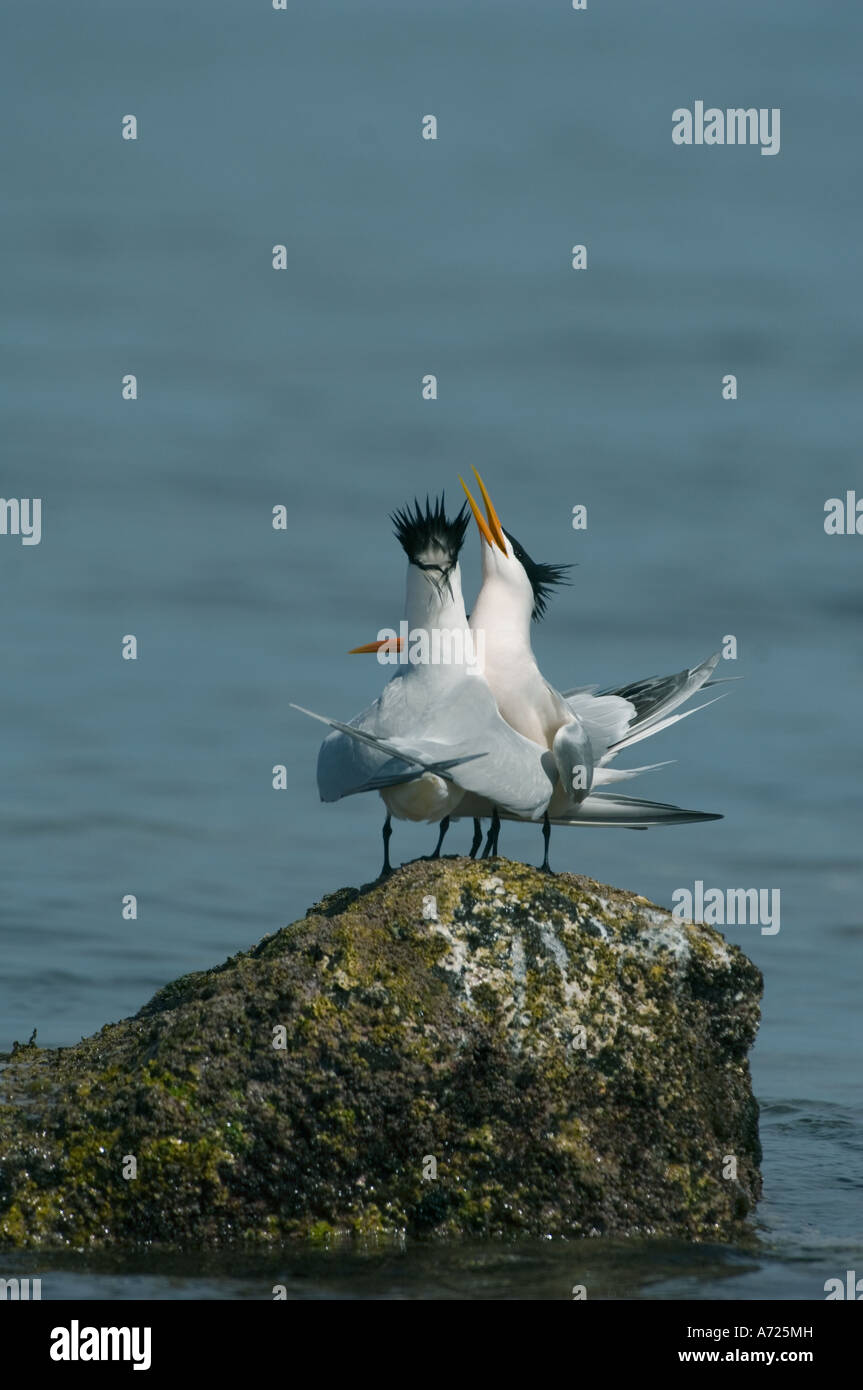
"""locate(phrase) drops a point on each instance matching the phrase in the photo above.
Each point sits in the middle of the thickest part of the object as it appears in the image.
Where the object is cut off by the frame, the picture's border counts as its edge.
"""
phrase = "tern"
(581, 730)
(547, 768)
(584, 730)
(435, 734)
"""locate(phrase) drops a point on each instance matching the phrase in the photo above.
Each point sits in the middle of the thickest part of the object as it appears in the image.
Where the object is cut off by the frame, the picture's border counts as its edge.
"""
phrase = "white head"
(512, 581)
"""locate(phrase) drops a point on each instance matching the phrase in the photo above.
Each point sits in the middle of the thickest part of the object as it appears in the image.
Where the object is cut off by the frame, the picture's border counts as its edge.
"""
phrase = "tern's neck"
(500, 621)
(504, 620)
(426, 607)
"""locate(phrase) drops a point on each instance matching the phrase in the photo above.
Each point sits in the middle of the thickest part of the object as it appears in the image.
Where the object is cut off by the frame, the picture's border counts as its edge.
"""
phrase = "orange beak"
(392, 644)
(490, 529)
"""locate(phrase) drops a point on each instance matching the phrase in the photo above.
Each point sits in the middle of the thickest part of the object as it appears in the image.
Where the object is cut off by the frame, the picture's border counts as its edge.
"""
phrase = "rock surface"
(567, 1058)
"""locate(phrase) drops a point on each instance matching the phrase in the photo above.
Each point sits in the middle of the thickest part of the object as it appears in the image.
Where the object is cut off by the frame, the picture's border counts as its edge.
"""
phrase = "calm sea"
(600, 387)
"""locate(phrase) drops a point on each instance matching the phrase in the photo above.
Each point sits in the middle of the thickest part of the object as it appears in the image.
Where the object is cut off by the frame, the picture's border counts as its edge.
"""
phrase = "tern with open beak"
(582, 729)
(548, 768)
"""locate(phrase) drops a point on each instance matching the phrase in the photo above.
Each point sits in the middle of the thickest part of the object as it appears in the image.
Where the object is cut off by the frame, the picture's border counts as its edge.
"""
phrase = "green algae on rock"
(463, 1049)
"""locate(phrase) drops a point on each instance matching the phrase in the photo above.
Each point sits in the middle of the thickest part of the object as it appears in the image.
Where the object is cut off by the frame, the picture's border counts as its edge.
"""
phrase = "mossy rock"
(567, 1058)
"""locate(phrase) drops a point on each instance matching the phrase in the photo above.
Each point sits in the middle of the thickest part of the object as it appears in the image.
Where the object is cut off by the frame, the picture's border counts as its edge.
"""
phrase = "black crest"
(543, 578)
(418, 531)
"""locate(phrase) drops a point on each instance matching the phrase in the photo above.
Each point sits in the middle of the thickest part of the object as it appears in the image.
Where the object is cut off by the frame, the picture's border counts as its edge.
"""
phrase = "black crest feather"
(543, 578)
(418, 529)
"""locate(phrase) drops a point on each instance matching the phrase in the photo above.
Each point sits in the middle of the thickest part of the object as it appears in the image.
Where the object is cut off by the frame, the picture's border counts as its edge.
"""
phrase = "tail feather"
(659, 695)
(607, 808)
(650, 703)
(655, 727)
(623, 812)
(604, 775)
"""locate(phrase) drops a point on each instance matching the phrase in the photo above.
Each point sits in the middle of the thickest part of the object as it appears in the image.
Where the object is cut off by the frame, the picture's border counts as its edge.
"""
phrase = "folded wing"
(458, 735)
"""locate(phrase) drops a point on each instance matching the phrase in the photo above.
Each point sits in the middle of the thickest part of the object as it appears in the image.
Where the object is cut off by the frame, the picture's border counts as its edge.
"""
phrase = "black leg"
(386, 833)
(477, 837)
(444, 827)
(546, 836)
(492, 837)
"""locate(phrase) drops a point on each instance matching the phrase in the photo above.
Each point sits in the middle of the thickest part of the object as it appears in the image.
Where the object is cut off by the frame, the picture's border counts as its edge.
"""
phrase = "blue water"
(303, 388)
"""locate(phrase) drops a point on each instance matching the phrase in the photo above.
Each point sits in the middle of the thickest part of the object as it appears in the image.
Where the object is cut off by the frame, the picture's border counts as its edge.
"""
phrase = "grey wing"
(357, 757)
(659, 695)
(574, 757)
(516, 774)
(651, 702)
(347, 764)
(353, 759)
(605, 719)
(518, 777)
(454, 730)
(655, 698)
